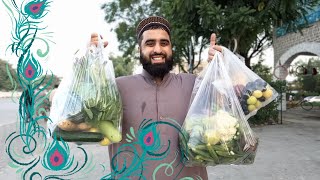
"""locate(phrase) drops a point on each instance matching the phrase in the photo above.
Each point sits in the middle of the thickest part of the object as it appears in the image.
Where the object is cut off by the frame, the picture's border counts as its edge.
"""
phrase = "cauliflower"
(222, 127)
(192, 121)
(195, 136)
(211, 136)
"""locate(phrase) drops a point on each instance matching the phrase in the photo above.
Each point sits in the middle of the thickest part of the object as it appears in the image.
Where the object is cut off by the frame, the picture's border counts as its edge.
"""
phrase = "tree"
(122, 66)
(305, 83)
(309, 82)
(248, 22)
(268, 113)
(6, 84)
(263, 71)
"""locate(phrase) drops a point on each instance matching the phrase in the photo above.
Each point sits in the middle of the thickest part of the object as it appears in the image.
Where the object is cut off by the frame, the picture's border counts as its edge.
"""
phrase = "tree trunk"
(246, 59)
(247, 62)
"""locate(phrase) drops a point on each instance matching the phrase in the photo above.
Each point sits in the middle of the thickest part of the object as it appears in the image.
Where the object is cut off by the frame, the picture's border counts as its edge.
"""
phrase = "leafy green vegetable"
(94, 85)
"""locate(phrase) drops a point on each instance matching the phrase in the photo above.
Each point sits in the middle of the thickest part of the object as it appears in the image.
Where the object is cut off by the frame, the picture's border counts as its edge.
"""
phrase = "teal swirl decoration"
(149, 140)
(26, 146)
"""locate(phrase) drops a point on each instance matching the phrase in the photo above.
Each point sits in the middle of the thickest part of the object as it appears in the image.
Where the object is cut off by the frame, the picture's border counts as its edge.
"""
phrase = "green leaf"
(13, 165)
(19, 170)
(132, 132)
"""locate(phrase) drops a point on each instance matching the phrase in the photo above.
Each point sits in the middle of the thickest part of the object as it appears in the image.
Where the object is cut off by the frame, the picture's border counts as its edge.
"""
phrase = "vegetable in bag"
(87, 105)
(252, 91)
(215, 130)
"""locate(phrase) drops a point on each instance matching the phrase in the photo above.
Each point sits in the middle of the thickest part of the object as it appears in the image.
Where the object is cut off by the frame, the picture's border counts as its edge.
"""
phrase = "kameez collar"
(150, 79)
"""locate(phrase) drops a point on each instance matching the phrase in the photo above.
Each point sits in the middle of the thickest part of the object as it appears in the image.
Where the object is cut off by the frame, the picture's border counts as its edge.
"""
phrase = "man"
(158, 95)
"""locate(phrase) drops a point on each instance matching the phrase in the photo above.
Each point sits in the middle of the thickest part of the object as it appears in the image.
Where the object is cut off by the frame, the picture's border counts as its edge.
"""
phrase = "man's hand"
(213, 47)
(95, 40)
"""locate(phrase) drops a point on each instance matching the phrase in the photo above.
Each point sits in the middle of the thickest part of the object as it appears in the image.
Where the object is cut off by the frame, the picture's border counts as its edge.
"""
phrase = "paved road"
(290, 151)
(8, 110)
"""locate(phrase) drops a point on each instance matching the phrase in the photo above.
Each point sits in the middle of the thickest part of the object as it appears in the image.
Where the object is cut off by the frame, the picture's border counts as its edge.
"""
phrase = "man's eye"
(164, 43)
(149, 43)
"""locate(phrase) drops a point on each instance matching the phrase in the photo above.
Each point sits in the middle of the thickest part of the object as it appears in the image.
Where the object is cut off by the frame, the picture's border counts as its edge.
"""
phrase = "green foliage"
(266, 114)
(307, 84)
(262, 70)
(122, 66)
(6, 85)
(269, 112)
(248, 22)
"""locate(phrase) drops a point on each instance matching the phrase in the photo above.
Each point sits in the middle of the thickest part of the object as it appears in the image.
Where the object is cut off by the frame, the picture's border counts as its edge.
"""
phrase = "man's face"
(156, 52)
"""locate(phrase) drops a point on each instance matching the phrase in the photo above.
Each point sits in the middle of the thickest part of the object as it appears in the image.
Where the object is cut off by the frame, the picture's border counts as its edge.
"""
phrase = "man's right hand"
(95, 40)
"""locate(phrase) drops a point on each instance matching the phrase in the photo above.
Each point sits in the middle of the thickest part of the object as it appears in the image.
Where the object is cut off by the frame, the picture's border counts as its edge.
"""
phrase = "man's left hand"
(213, 47)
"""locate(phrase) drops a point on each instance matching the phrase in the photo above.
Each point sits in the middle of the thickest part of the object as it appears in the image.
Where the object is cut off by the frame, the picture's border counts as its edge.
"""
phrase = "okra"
(221, 147)
(213, 154)
(89, 112)
(226, 160)
(99, 116)
(204, 158)
(202, 153)
(224, 153)
(201, 147)
(198, 159)
(186, 148)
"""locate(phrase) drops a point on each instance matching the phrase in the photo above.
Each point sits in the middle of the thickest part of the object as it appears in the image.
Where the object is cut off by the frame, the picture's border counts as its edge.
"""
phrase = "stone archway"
(288, 46)
(305, 48)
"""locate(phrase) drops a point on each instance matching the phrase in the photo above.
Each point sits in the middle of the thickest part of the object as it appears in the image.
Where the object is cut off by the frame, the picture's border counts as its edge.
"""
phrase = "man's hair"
(153, 22)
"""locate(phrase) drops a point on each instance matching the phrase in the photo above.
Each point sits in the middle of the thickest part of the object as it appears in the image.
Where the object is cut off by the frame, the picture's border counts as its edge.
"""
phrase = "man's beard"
(157, 70)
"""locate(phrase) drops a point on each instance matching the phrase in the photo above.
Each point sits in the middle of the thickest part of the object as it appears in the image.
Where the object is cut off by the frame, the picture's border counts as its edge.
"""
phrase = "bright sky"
(71, 22)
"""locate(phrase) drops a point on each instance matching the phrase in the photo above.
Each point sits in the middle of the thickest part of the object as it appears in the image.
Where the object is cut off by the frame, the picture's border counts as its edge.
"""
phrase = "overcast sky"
(71, 22)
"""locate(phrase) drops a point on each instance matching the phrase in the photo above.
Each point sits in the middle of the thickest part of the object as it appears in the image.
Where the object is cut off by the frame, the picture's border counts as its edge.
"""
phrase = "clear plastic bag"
(252, 91)
(215, 130)
(87, 106)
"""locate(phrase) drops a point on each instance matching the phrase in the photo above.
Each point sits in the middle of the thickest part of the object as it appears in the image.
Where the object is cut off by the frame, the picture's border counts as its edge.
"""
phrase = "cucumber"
(70, 136)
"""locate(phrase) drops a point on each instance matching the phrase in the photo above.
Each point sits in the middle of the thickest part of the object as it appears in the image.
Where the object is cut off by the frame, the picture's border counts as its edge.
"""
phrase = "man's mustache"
(157, 54)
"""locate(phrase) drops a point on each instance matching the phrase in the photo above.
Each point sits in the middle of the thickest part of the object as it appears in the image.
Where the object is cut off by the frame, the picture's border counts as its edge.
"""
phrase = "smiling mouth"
(158, 59)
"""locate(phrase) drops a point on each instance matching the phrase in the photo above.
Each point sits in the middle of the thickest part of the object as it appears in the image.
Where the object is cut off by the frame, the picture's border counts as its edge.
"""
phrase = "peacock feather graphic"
(29, 147)
(148, 139)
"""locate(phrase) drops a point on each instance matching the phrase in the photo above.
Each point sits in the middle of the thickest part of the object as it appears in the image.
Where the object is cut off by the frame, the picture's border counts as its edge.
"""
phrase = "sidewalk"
(9, 94)
(288, 151)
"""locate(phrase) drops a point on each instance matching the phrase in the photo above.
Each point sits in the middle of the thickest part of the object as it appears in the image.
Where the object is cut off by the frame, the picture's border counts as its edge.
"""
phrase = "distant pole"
(281, 103)
(191, 60)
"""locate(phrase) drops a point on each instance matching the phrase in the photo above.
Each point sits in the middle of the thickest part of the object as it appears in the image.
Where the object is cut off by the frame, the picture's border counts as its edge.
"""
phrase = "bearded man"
(159, 96)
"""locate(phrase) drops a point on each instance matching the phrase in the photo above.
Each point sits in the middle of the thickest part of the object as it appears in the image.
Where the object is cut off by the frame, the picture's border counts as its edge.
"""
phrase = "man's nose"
(157, 48)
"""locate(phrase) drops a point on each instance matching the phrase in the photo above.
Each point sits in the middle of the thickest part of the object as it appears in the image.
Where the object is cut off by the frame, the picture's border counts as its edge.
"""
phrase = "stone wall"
(306, 44)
